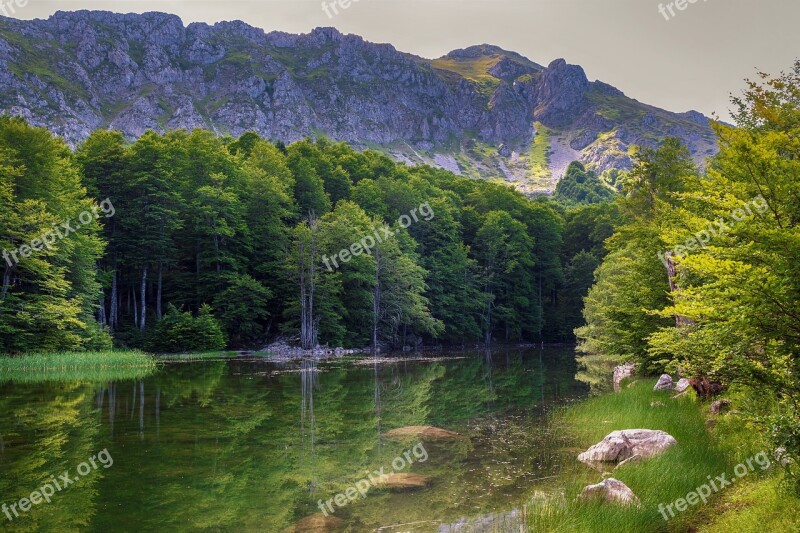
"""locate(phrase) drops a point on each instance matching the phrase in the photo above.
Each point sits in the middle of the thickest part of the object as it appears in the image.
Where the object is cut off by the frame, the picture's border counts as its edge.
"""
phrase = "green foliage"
(181, 332)
(725, 310)
(47, 299)
(242, 308)
(245, 225)
(579, 186)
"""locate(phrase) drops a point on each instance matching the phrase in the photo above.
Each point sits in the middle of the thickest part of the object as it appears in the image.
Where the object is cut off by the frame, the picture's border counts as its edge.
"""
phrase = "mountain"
(481, 111)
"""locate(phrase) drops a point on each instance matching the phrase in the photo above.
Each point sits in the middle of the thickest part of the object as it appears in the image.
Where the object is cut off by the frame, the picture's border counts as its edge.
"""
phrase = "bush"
(181, 332)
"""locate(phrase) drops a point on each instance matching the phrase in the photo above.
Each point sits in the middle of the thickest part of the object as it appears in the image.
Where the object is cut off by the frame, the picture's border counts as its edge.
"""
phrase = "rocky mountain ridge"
(481, 111)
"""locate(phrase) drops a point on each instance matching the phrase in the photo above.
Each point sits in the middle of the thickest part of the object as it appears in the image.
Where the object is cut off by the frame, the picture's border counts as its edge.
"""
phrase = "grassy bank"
(663, 480)
(69, 366)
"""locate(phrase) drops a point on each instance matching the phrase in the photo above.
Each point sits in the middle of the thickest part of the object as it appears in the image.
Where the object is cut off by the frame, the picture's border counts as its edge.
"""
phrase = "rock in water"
(664, 383)
(317, 523)
(611, 491)
(403, 481)
(622, 372)
(422, 432)
(620, 445)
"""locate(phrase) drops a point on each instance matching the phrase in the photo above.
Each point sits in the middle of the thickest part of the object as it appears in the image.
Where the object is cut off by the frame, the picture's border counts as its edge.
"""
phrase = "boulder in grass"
(610, 491)
(422, 432)
(620, 445)
(682, 385)
(720, 406)
(621, 372)
(403, 481)
(318, 523)
(664, 383)
(629, 460)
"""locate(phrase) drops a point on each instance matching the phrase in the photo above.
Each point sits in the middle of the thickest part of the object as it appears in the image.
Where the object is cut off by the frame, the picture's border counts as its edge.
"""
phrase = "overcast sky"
(692, 61)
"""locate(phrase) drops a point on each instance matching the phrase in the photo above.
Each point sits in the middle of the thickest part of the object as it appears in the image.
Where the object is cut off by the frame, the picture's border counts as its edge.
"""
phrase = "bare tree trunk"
(301, 256)
(114, 298)
(6, 282)
(135, 308)
(680, 321)
(488, 320)
(312, 281)
(158, 292)
(143, 316)
(376, 301)
(306, 254)
(101, 311)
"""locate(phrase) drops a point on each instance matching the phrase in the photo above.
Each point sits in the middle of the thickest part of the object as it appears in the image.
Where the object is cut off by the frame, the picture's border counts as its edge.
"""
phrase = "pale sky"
(692, 61)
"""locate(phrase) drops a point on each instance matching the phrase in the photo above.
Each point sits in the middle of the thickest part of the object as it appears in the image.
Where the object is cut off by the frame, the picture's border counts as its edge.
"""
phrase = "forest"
(191, 241)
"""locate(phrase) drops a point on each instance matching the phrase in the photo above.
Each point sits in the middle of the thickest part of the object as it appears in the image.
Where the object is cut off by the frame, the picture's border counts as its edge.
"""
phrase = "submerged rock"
(403, 481)
(422, 432)
(610, 491)
(318, 523)
(664, 383)
(620, 445)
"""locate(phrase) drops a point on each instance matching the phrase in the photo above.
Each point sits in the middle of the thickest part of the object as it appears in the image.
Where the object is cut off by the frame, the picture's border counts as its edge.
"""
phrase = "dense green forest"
(191, 241)
(702, 274)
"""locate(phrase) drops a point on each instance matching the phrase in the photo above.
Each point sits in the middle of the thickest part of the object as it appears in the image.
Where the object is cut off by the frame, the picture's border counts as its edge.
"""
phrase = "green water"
(254, 445)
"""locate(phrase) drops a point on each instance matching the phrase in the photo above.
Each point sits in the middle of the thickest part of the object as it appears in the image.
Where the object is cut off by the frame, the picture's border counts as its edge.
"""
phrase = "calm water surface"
(253, 445)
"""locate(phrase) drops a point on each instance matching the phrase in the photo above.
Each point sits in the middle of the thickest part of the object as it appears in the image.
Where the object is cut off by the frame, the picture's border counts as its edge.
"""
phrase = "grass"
(80, 366)
(757, 506)
(539, 159)
(476, 70)
(660, 480)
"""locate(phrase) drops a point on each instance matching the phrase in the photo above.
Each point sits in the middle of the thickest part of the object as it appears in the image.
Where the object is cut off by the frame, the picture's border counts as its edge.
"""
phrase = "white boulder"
(620, 445)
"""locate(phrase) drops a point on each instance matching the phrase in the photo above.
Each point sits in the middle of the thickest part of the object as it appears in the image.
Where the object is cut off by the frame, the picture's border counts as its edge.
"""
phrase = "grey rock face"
(79, 71)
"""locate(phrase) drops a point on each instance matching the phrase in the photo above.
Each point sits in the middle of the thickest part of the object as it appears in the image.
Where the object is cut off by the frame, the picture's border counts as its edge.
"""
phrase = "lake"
(249, 444)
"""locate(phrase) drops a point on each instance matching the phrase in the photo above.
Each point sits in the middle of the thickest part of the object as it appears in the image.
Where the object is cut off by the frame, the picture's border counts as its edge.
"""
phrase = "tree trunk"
(158, 291)
(114, 298)
(306, 254)
(216, 251)
(101, 311)
(376, 301)
(312, 284)
(680, 321)
(6, 282)
(143, 316)
(135, 308)
(301, 256)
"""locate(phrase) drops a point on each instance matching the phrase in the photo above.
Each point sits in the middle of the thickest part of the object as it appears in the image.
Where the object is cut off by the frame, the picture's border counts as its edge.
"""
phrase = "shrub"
(181, 332)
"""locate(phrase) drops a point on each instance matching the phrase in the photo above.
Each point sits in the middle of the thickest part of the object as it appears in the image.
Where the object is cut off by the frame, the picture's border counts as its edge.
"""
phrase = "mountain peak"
(482, 111)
